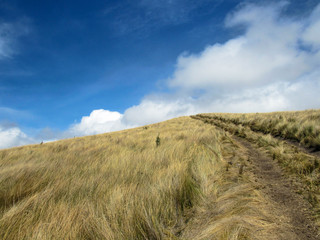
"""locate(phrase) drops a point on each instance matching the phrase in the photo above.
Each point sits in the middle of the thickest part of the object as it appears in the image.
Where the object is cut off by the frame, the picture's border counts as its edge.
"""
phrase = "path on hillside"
(300, 147)
(278, 188)
(310, 151)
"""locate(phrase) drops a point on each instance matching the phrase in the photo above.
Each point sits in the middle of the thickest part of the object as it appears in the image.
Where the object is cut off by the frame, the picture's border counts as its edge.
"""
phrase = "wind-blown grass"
(300, 126)
(122, 186)
(298, 164)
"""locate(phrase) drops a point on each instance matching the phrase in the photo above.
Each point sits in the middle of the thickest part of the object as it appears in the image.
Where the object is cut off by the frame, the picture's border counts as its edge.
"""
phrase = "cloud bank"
(273, 65)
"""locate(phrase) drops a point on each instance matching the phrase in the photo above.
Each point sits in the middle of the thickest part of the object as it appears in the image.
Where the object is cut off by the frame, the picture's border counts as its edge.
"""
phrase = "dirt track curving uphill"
(301, 148)
(281, 191)
(296, 215)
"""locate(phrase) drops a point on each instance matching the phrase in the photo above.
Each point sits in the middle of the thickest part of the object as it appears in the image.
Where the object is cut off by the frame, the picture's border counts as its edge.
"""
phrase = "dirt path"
(281, 191)
(310, 151)
(293, 210)
(300, 147)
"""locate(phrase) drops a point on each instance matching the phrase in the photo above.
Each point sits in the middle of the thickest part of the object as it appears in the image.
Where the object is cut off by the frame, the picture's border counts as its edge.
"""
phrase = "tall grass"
(122, 186)
(300, 126)
(301, 166)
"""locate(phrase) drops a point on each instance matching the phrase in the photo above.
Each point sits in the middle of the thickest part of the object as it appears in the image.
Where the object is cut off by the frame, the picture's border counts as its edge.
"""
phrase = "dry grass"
(122, 186)
(300, 126)
(302, 167)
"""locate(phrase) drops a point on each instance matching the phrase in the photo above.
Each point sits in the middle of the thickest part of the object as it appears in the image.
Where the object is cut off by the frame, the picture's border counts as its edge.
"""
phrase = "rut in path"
(279, 189)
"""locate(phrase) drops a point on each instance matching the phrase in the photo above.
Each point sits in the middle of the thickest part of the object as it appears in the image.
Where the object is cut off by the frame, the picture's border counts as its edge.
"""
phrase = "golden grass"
(305, 168)
(300, 126)
(122, 186)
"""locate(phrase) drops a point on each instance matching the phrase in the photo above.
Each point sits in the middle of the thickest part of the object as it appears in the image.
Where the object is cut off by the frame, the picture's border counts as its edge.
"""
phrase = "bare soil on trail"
(310, 151)
(281, 191)
(301, 147)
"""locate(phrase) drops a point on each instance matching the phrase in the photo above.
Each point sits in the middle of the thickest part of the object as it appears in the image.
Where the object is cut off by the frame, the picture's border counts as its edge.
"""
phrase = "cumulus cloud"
(152, 110)
(272, 66)
(267, 52)
(11, 136)
(98, 121)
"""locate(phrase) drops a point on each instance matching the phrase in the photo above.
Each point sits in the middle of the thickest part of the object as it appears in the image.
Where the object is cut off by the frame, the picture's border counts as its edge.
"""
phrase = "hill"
(209, 176)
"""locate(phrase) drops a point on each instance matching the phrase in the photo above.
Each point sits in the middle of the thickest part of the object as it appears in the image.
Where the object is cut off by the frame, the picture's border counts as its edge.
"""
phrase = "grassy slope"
(259, 128)
(121, 186)
(300, 126)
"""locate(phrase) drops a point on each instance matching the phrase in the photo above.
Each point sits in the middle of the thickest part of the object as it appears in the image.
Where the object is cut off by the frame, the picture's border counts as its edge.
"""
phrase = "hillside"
(209, 176)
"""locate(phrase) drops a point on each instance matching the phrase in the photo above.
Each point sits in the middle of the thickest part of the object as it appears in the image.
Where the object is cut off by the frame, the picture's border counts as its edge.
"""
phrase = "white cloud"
(99, 121)
(12, 136)
(267, 52)
(274, 65)
(273, 97)
(268, 68)
(148, 111)
(152, 110)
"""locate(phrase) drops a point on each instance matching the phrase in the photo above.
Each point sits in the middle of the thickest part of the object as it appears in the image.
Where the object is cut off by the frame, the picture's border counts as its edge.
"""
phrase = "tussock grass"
(300, 126)
(303, 167)
(122, 186)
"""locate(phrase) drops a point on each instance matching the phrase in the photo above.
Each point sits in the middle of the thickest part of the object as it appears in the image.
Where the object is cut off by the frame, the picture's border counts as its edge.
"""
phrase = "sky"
(76, 68)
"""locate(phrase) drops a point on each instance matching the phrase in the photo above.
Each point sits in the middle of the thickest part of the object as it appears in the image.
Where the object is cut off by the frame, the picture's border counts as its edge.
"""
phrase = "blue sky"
(73, 68)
